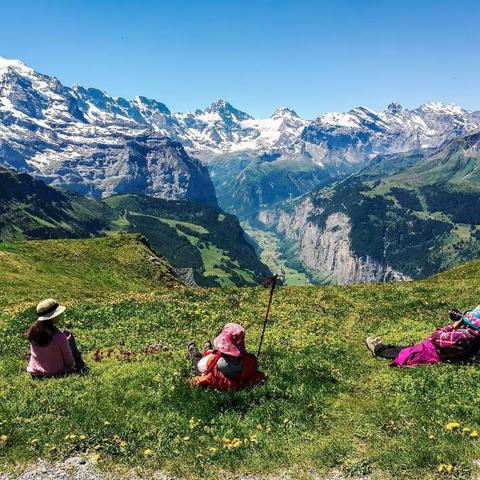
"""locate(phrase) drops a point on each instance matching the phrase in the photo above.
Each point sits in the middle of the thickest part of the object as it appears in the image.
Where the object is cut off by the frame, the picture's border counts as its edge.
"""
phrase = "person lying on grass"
(459, 341)
(53, 353)
(228, 366)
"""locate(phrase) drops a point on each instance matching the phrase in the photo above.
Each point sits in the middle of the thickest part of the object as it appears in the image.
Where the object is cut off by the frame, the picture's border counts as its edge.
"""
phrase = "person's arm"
(68, 361)
(451, 338)
(447, 328)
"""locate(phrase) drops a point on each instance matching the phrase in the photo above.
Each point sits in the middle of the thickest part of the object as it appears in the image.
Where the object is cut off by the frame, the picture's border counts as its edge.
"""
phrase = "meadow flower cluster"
(326, 405)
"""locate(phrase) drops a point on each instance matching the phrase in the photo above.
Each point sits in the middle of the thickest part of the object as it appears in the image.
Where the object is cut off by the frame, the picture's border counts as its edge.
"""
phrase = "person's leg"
(387, 351)
(80, 365)
(195, 356)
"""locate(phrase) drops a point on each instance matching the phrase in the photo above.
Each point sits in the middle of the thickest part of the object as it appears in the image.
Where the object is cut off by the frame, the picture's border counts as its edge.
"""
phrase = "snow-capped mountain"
(87, 140)
(46, 131)
(347, 141)
(208, 134)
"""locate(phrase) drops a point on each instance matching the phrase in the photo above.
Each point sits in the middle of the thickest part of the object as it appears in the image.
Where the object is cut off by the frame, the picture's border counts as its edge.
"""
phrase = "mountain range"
(339, 191)
(405, 216)
(86, 140)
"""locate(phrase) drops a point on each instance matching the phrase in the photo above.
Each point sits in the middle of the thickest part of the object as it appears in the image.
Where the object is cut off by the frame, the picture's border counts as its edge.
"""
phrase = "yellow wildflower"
(441, 468)
(147, 452)
(186, 438)
(451, 426)
(259, 427)
(212, 449)
(82, 437)
(95, 458)
(465, 430)
(449, 468)
(474, 434)
(106, 423)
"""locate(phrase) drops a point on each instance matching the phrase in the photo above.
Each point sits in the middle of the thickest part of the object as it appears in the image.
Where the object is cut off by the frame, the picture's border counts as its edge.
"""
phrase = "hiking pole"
(272, 283)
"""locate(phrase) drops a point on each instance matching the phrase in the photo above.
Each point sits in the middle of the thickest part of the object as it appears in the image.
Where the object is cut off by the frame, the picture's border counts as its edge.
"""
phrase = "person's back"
(50, 349)
(230, 366)
(52, 359)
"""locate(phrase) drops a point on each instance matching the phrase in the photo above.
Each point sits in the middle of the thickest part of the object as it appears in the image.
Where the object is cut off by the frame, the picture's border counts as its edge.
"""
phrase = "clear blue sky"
(312, 56)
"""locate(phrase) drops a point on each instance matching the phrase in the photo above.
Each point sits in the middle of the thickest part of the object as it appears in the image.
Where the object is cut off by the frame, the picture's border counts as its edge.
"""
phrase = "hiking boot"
(192, 348)
(207, 346)
(372, 343)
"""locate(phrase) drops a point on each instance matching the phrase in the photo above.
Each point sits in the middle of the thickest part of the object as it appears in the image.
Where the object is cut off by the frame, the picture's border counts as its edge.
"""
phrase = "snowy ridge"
(47, 127)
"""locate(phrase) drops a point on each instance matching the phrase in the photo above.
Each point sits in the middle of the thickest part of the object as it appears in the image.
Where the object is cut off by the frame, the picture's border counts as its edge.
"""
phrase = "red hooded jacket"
(214, 378)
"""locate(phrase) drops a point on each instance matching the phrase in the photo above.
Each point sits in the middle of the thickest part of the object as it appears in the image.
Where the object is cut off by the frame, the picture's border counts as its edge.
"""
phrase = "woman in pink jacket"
(459, 341)
(53, 353)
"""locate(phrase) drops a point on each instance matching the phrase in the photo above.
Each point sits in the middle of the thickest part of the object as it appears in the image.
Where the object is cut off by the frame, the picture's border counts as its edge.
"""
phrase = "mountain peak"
(223, 108)
(17, 65)
(439, 107)
(394, 107)
(283, 112)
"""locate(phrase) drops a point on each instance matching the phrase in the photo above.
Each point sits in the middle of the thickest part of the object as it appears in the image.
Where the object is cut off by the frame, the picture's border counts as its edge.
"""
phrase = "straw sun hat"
(49, 309)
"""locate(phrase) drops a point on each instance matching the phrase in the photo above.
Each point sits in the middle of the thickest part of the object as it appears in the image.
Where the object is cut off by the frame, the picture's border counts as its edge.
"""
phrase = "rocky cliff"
(45, 132)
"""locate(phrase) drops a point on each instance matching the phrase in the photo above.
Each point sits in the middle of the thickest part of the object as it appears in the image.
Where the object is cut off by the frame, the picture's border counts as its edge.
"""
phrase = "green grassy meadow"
(327, 404)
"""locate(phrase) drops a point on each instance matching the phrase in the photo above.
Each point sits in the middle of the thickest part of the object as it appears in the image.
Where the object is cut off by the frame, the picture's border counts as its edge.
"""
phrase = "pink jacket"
(54, 359)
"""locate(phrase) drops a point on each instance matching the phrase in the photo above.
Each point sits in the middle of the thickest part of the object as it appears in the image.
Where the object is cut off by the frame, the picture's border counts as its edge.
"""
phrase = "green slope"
(327, 406)
(192, 235)
(419, 213)
(31, 209)
(189, 235)
(84, 269)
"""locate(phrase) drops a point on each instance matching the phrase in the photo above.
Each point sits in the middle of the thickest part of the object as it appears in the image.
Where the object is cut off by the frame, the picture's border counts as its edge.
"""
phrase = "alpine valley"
(347, 197)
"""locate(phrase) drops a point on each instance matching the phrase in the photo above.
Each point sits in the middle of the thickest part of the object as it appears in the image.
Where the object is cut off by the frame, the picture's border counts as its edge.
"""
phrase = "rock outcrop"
(327, 251)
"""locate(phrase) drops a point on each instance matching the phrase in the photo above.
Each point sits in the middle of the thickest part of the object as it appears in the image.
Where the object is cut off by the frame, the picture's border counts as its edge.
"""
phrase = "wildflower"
(465, 430)
(431, 436)
(268, 429)
(451, 426)
(441, 468)
(253, 438)
(474, 434)
(3, 440)
(259, 427)
(106, 423)
(34, 441)
(449, 468)
(95, 458)
(147, 452)
(82, 437)
(212, 450)
(186, 438)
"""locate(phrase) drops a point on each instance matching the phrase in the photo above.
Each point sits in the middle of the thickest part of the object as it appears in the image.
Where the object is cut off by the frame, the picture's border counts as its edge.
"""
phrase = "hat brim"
(224, 345)
(56, 313)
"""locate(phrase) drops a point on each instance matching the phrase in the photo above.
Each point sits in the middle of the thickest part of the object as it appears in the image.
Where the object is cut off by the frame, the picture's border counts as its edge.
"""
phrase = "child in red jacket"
(228, 366)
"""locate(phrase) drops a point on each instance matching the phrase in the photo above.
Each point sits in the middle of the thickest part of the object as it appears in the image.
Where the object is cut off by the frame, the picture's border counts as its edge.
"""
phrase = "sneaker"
(192, 347)
(207, 346)
(371, 343)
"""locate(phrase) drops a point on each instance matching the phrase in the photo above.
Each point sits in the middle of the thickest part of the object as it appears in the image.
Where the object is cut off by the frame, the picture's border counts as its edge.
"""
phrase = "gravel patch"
(74, 468)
